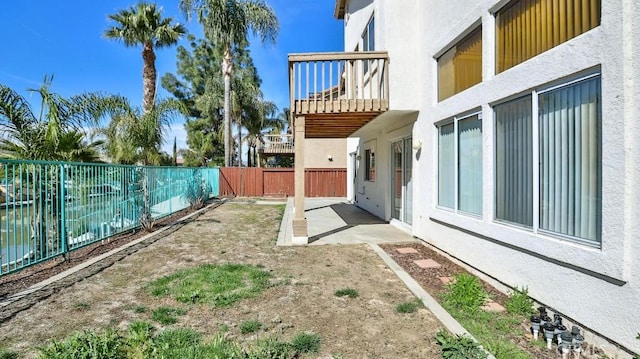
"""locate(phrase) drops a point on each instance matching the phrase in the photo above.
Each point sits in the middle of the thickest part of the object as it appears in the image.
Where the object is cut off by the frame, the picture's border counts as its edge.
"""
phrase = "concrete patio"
(336, 221)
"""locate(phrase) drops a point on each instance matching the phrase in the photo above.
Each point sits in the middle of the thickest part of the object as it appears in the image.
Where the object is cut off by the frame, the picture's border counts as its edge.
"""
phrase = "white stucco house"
(505, 133)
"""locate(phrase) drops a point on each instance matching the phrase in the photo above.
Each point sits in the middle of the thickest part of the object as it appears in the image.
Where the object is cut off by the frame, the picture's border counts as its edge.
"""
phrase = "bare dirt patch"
(301, 299)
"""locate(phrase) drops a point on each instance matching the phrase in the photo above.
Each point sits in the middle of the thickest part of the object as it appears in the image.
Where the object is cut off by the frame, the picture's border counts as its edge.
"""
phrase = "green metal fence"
(48, 209)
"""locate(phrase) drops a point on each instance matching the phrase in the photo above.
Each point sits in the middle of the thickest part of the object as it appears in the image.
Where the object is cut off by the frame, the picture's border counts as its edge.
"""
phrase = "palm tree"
(137, 136)
(144, 25)
(227, 23)
(50, 134)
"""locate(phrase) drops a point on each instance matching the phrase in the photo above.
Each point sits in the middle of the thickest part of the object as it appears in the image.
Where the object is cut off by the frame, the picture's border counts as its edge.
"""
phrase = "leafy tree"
(199, 87)
(227, 24)
(143, 25)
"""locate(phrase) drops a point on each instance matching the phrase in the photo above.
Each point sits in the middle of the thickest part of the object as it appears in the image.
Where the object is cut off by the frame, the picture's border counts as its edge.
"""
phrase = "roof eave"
(339, 10)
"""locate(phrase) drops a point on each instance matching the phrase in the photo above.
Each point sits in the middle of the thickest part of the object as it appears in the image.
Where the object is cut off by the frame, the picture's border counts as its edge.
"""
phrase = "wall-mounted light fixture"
(417, 144)
(330, 158)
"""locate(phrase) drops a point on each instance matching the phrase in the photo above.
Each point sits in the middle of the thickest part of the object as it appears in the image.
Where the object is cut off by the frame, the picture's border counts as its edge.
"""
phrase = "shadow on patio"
(335, 221)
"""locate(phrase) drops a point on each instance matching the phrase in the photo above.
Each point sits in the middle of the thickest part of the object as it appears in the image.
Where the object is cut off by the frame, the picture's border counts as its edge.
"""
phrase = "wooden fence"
(279, 182)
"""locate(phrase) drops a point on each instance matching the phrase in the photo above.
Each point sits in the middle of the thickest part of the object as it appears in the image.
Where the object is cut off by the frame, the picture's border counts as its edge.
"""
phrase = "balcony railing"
(325, 83)
(276, 144)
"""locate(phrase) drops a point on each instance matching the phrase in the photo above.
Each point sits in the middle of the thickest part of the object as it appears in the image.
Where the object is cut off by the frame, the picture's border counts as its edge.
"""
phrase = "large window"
(526, 28)
(461, 66)
(570, 179)
(460, 165)
(569, 156)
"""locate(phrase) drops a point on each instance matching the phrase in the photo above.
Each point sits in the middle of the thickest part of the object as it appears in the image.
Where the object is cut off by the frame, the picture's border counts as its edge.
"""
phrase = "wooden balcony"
(276, 145)
(338, 93)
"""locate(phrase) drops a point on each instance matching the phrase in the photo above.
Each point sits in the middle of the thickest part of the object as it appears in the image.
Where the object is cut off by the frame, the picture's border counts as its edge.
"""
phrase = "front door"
(401, 181)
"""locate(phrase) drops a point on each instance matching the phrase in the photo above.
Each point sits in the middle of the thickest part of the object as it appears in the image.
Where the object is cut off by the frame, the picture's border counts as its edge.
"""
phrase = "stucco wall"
(596, 286)
(325, 153)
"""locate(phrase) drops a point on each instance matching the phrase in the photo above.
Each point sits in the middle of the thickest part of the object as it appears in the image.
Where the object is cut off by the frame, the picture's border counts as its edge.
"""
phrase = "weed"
(140, 339)
(408, 307)
(219, 285)
(107, 345)
(270, 348)
(458, 347)
(347, 292)
(519, 302)
(140, 309)
(166, 315)
(7, 354)
(250, 326)
(466, 292)
(306, 343)
(81, 306)
(503, 349)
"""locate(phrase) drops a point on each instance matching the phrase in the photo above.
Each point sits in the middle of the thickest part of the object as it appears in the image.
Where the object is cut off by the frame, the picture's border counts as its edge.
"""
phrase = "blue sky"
(64, 38)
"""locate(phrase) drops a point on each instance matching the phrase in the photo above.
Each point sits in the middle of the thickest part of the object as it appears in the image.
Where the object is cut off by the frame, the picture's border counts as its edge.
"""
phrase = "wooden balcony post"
(300, 236)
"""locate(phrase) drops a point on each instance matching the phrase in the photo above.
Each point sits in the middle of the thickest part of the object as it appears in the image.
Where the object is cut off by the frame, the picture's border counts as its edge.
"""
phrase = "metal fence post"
(61, 205)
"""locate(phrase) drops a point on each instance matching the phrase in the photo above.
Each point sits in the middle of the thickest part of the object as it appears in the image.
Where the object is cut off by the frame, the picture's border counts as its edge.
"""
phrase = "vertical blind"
(570, 160)
(446, 166)
(514, 162)
(526, 28)
(408, 181)
(461, 66)
(470, 165)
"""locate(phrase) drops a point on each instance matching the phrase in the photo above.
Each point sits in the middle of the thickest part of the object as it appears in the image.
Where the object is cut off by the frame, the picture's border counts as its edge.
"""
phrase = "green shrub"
(519, 302)
(458, 347)
(306, 343)
(107, 345)
(346, 292)
(466, 293)
(408, 307)
(250, 326)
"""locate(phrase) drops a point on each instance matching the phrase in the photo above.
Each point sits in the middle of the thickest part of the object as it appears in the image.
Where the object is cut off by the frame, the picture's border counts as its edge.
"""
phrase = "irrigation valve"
(535, 326)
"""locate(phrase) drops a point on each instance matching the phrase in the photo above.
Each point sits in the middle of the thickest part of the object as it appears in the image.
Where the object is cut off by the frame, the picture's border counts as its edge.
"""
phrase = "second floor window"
(460, 67)
(526, 28)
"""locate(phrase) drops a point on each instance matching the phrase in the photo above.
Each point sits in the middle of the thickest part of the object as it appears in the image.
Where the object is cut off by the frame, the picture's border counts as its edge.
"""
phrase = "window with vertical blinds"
(569, 148)
(446, 166)
(526, 28)
(461, 66)
(460, 172)
(514, 162)
(570, 159)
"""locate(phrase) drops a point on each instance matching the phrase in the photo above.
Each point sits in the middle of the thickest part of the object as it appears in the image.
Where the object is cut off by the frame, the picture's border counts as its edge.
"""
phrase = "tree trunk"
(148, 77)
(239, 141)
(227, 70)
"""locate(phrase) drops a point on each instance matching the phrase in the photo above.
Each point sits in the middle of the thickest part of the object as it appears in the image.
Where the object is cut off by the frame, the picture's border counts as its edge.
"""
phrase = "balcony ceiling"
(340, 125)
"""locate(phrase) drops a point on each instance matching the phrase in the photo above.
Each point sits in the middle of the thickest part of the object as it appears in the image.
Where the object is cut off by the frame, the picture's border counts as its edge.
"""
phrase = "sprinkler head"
(535, 326)
(549, 331)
